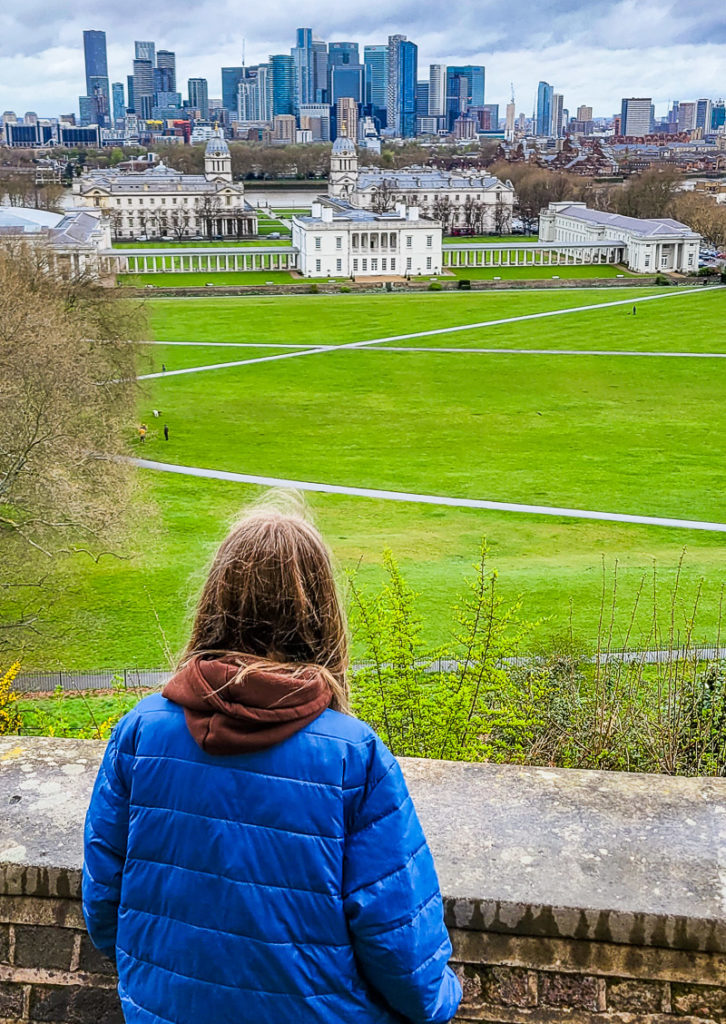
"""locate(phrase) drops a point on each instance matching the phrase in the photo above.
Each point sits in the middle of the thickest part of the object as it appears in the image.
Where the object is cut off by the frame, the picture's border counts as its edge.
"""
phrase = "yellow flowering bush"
(9, 713)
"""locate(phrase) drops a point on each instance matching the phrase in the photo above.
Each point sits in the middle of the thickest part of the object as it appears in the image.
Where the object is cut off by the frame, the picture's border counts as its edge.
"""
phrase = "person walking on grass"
(252, 853)
(166, 432)
(635, 310)
(142, 433)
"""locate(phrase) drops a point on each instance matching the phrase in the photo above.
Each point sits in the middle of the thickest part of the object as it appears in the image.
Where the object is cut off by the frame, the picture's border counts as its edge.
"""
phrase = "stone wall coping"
(559, 853)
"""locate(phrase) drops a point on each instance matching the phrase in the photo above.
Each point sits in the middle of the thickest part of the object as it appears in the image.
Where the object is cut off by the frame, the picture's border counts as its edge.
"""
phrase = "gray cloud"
(594, 51)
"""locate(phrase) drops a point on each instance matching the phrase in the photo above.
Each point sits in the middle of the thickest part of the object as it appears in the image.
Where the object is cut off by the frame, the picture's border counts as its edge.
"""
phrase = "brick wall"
(50, 972)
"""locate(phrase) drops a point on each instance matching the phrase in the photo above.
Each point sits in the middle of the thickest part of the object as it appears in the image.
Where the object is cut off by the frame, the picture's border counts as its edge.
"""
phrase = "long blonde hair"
(270, 598)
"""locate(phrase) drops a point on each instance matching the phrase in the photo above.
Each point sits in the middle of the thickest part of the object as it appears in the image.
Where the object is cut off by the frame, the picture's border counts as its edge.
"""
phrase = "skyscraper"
(347, 118)
(199, 96)
(320, 70)
(703, 115)
(282, 84)
(402, 77)
(718, 115)
(97, 87)
(254, 94)
(422, 99)
(375, 61)
(558, 102)
(231, 78)
(119, 106)
(636, 115)
(130, 106)
(304, 65)
(343, 53)
(464, 89)
(437, 90)
(145, 50)
(143, 86)
(166, 65)
(545, 100)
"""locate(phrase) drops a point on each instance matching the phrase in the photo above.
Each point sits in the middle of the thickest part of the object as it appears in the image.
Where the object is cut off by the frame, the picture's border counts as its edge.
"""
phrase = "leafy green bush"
(662, 279)
(464, 284)
(313, 289)
(345, 289)
(435, 286)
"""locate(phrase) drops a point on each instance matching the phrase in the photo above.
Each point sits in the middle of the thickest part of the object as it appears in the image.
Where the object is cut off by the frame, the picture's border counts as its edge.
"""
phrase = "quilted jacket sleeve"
(105, 852)
(392, 899)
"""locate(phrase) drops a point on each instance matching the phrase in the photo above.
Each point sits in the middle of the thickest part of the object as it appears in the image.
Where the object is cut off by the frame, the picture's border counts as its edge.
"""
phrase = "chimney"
(317, 211)
(327, 215)
(413, 213)
(401, 210)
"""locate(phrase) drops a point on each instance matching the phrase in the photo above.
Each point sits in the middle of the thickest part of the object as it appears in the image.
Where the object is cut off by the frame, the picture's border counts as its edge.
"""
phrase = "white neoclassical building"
(72, 244)
(648, 246)
(338, 240)
(463, 200)
(161, 202)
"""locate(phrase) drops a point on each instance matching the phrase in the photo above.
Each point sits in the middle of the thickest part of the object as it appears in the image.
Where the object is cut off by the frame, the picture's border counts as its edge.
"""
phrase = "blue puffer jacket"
(293, 884)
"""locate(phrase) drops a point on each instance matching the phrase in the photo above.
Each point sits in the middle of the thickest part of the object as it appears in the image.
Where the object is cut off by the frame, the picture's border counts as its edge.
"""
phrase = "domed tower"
(217, 159)
(343, 180)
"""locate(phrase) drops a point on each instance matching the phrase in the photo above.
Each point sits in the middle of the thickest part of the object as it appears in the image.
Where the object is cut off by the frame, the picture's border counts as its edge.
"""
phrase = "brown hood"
(266, 708)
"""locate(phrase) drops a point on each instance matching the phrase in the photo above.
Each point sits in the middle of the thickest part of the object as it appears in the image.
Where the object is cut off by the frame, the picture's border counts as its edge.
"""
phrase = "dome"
(343, 146)
(217, 145)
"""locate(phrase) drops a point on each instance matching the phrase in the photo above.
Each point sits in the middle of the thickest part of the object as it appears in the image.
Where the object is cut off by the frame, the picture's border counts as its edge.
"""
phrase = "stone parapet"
(572, 897)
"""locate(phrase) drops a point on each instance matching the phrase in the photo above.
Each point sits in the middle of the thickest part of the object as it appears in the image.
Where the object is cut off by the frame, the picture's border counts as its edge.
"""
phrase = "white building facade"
(338, 240)
(463, 201)
(161, 202)
(649, 246)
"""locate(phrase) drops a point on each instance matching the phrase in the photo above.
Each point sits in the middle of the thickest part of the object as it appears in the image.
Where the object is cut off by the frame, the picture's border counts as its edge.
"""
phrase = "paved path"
(319, 349)
(429, 499)
(439, 348)
(551, 352)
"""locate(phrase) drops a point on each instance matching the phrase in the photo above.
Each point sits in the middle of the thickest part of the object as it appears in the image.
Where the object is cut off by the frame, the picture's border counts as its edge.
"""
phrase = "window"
(647, 259)
(355, 240)
(408, 263)
(393, 264)
(409, 241)
(118, 202)
(355, 266)
(429, 241)
(374, 264)
(339, 265)
(428, 263)
(384, 263)
(317, 241)
(365, 264)
(338, 241)
(317, 266)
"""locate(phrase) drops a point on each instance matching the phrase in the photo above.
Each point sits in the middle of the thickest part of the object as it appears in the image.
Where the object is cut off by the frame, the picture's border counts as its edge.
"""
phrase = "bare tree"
(179, 220)
(67, 372)
(210, 209)
(383, 198)
(443, 210)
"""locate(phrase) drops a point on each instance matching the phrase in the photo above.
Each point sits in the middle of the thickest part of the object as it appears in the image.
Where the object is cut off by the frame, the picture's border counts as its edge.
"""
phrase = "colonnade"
(208, 260)
(534, 254)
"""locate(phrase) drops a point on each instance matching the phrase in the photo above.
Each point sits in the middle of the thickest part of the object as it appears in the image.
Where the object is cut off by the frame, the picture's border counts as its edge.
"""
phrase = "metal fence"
(135, 678)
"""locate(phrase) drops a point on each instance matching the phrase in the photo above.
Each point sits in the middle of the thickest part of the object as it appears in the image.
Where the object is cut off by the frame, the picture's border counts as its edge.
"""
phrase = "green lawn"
(600, 432)
(212, 277)
(592, 272)
(204, 244)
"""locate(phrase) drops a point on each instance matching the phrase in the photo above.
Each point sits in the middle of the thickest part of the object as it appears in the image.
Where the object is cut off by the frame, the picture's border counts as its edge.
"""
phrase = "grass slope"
(613, 433)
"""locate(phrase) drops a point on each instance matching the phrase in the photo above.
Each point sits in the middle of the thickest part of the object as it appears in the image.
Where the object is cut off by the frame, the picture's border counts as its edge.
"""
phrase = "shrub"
(76, 714)
(465, 284)
(662, 279)
(435, 286)
(345, 289)
(9, 714)
(313, 289)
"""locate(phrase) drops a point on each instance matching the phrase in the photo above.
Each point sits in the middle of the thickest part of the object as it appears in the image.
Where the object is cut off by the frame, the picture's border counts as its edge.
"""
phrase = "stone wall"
(571, 897)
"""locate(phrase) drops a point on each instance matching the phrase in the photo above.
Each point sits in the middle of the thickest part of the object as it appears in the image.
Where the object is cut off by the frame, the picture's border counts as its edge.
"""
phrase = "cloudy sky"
(594, 51)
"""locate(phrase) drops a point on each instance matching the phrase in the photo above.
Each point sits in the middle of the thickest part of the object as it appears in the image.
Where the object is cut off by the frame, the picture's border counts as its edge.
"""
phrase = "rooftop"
(651, 228)
(21, 220)
(427, 177)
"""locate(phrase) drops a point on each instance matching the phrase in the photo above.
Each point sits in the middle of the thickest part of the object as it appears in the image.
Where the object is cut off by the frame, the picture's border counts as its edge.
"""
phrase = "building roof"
(74, 228)
(650, 228)
(343, 211)
(415, 178)
(157, 180)
(343, 146)
(20, 220)
(217, 145)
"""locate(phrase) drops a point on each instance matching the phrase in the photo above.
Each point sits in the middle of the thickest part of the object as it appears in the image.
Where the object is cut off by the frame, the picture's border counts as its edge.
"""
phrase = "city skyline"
(48, 77)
